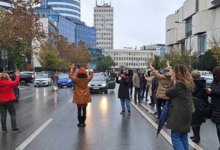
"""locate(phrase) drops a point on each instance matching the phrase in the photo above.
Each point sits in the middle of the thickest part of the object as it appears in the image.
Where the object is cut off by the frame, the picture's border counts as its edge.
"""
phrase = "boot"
(83, 121)
(196, 138)
(79, 119)
(192, 137)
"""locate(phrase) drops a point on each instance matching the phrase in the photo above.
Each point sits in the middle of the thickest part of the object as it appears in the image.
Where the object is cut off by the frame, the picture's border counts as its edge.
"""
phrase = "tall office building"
(104, 24)
(67, 8)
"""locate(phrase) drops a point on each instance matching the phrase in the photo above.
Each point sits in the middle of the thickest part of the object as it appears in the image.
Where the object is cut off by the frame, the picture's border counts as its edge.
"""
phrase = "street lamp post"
(190, 55)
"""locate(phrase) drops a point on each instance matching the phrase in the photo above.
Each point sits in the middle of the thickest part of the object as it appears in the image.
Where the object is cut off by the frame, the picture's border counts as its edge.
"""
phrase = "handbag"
(204, 107)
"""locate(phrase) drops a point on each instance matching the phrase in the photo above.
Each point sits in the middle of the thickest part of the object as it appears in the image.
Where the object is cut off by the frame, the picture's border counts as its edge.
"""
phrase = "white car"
(42, 80)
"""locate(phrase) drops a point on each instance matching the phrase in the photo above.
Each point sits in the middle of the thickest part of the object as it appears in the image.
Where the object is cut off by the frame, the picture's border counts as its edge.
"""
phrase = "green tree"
(105, 63)
(49, 59)
(209, 65)
(156, 62)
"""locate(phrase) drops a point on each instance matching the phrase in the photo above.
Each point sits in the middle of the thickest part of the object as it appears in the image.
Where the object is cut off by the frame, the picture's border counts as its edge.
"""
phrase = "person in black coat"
(214, 92)
(130, 83)
(199, 95)
(123, 92)
(155, 84)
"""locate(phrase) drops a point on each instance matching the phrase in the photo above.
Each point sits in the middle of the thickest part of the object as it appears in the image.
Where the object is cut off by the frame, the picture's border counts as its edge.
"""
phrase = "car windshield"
(98, 78)
(64, 76)
(42, 76)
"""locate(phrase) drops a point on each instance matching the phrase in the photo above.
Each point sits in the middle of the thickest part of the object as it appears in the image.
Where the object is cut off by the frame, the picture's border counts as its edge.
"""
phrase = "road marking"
(70, 100)
(148, 109)
(27, 96)
(163, 133)
(34, 135)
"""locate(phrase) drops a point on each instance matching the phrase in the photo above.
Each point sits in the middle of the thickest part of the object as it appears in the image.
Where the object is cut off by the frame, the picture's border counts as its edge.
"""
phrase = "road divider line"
(27, 96)
(163, 133)
(34, 135)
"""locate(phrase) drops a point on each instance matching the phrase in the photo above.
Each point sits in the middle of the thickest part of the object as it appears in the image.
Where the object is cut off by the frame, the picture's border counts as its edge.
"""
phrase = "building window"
(202, 43)
(189, 28)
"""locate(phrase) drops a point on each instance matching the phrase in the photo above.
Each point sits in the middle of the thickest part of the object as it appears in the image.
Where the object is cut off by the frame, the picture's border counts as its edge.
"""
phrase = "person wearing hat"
(164, 81)
(81, 92)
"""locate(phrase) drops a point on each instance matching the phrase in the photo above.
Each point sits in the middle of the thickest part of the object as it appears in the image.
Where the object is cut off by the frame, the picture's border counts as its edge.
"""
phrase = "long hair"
(216, 75)
(182, 74)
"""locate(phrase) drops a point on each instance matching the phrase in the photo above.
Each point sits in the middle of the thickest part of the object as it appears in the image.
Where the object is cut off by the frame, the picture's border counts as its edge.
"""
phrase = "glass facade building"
(87, 34)
(67, 8)
(96, 52)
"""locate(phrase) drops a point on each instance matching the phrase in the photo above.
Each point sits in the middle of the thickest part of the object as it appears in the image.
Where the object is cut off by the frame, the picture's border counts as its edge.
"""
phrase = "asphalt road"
(49, 120)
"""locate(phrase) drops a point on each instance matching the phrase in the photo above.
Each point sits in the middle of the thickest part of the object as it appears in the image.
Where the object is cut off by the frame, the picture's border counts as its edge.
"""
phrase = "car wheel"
(23, 82)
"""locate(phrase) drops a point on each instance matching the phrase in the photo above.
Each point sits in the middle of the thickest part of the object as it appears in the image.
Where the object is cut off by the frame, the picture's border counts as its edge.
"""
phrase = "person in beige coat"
(164, 81)
(149, 83)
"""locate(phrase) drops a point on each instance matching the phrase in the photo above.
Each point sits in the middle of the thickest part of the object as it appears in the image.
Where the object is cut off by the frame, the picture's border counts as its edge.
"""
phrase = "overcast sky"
(136, 22)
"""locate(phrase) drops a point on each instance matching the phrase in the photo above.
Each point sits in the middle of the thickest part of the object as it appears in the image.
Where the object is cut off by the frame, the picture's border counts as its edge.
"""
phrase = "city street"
(49, 122)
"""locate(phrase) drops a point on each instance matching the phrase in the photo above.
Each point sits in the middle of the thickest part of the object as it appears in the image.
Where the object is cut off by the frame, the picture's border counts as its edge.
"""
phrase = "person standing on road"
(130, 84)
(163, 83)
(200, 95)
(149, 83)
(181, 106)
(138, 84)
(55, 83)
(123, 92)
(214, 92)
(81, 92)
(144, 85)
(7, 98)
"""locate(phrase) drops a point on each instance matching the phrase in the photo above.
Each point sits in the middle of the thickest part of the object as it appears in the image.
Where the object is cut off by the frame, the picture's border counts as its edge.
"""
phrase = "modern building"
(159, 48)
(193, 26)
(130, 58)
(67, 8)
(104, 23)
(96, 52)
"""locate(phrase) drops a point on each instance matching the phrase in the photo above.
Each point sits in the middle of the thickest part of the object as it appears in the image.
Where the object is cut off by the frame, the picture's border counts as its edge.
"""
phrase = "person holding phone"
(7, 98)
(214, 92)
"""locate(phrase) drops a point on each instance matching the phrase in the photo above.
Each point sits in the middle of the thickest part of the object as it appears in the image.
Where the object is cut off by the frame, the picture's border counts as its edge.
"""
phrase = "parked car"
(15, 88)
(100, 83)
(64, 80)
(50, 73)
(24, 78)
(42, 80)
(29, 72)
(204, 73)
(209, 80)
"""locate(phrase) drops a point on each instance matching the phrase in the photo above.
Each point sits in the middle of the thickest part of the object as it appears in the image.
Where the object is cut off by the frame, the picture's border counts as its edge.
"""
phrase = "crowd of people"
(187, 95)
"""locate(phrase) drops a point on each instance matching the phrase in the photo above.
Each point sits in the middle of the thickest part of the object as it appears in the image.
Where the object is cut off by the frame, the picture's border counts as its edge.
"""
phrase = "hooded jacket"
(180, 108)
(81, 91)
(6, 90)
(201, 95)
(165, 80)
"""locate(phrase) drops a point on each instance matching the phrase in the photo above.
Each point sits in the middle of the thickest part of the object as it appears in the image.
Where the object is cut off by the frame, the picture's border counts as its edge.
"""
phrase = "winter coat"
(81, 90)
(137, 81)
(180, 108)
(6, 90)
(56, 79)
(200, 95)
(123, 91)
(165, 80)
(149, 83)
(130, 80)
(215, 103)
(155, 84)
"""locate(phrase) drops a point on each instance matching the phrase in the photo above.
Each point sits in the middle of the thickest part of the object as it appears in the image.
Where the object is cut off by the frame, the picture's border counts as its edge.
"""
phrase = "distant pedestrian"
(149, 83)
(214, 92)
(131, 84)
(200, 95)
(144, 85)
(113, 74)
(81, 92)
(155, 84)
(164, 81)
(181, 106)
(55, 82)
(123, 92)
(7, 98)
(138, 84)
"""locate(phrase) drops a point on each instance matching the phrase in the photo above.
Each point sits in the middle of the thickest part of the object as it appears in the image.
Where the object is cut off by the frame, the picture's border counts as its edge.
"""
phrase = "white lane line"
(27, 96)
(34, 135)
(163, 133)
(70, 100)
(148, 109)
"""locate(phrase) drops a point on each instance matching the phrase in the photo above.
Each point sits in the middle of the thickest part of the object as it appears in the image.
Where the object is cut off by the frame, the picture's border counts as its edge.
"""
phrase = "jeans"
(4, 107)
(137, 91)
(218, 131)
(160, 103)
(130, 91)
(180, 140)
(123, 101)
(143, 90)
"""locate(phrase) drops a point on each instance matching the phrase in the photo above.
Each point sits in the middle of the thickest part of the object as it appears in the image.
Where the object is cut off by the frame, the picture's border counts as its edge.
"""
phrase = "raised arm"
(17, 79)
(71, 76)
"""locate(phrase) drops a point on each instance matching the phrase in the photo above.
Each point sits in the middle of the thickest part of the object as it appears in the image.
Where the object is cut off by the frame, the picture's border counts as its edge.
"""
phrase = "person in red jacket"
(7, 98)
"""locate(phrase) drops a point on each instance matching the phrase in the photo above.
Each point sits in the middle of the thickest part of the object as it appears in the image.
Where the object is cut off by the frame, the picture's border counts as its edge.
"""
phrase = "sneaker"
(122, 112)
(140, 102)
(155, 113)
(17, 130)
(129, 112)
(4, 131)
